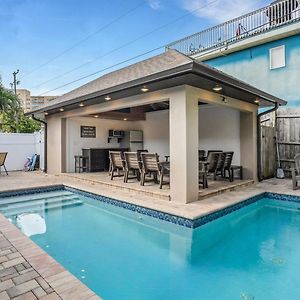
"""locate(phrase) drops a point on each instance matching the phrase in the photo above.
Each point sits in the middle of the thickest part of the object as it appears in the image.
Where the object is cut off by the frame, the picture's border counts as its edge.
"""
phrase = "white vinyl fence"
(20, 146)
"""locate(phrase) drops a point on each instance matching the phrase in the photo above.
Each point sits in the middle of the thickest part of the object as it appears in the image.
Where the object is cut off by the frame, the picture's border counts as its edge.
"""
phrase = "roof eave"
(180, 70)
(223, 78)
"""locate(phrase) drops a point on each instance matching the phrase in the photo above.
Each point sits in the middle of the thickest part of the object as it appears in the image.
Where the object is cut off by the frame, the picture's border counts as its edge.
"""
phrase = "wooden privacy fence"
(268, 151)
(287, 124)
(288, 127)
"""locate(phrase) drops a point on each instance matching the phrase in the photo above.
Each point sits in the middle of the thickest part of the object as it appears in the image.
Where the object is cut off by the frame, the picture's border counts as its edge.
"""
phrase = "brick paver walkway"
(18, 279)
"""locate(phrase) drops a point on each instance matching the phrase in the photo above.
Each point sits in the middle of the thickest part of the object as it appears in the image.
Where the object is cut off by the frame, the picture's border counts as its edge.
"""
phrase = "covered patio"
(181, 106)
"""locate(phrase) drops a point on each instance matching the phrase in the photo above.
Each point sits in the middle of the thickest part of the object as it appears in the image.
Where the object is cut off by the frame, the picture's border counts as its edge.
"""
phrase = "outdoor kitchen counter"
(98, 158)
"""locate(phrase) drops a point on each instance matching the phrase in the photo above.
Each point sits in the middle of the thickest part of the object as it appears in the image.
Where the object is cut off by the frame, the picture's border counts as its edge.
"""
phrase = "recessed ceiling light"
(46, 114)
(144, 89)
(61, 109)
(125, 119)
(217, 88)
(107, 98)
(256, 100)
(96, 116)
(81, 104)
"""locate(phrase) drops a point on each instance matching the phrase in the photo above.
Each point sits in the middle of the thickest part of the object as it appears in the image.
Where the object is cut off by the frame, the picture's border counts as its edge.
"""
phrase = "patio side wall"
(213, 134)
(249, 145)
(56, 144)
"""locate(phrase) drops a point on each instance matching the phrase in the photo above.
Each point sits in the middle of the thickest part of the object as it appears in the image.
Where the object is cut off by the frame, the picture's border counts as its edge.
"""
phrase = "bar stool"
(81, 163)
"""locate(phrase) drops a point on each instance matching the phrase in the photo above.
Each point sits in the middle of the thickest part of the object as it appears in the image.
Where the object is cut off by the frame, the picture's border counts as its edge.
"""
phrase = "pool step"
(12, 211)
(32, 197)
(33, 203)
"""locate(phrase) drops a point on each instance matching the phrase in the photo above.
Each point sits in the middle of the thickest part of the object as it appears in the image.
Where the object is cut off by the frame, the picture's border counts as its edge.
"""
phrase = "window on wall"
(277, 57)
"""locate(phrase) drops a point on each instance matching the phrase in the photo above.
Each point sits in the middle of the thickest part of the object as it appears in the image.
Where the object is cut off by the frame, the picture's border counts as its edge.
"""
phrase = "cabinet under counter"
(98, 158)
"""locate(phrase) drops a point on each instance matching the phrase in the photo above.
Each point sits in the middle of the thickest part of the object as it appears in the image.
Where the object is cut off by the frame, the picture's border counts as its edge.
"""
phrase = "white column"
(184, 140)
(56, 145)
(248, 133)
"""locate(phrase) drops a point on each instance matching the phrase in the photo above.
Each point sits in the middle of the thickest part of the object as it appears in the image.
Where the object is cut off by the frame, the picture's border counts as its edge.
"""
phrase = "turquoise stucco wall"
(252, 66)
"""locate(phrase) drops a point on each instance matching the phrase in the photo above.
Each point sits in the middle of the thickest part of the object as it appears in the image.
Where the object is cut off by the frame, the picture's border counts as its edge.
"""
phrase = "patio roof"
(166, 70)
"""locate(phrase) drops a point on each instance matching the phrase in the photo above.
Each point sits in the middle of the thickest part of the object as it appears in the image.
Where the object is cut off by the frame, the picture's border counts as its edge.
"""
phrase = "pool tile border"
(182, 221)
(32, 190)
(136, 208)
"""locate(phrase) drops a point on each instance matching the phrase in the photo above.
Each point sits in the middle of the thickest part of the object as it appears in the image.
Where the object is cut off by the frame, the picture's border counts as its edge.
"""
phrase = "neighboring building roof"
(168, 69)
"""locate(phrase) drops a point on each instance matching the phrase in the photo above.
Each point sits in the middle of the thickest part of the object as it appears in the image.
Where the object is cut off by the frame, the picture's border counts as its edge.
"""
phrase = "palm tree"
(12, 118)
(9, 108)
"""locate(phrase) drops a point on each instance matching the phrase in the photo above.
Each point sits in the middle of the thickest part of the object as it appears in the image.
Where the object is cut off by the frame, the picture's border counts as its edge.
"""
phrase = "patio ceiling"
(163, 71)
(137, 113)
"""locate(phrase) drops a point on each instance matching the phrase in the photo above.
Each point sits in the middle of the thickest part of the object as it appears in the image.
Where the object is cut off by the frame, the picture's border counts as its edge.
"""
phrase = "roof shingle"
(162, 62)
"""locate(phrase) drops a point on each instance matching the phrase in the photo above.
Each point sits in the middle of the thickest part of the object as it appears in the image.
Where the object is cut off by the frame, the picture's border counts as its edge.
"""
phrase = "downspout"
(259, 175)
(45, 141)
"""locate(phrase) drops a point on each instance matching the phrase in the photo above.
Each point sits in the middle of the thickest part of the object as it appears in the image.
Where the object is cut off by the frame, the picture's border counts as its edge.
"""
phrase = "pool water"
(252, 253)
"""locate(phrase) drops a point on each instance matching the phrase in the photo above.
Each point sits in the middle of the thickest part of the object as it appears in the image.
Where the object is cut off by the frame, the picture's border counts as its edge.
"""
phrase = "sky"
(54, 42)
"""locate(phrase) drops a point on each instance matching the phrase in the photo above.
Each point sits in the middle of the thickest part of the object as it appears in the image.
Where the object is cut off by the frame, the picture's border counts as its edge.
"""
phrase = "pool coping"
(162, 215)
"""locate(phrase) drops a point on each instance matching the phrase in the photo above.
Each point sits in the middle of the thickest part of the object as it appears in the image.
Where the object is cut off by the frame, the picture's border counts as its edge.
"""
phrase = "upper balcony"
(277, 14)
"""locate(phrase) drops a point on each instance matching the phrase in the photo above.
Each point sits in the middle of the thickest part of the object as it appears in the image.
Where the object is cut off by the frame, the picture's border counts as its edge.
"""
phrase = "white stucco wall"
(219, 128)
(20, 146)
(75, 143)
(156, 132)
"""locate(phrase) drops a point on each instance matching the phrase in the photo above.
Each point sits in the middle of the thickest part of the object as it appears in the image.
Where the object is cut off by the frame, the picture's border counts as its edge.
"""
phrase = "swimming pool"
(249, 251)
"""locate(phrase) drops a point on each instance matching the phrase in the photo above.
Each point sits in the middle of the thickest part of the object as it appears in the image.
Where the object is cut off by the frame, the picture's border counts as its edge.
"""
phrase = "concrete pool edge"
(175, 218)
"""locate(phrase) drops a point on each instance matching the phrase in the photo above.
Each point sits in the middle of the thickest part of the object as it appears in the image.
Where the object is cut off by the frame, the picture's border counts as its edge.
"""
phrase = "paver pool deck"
(28, 272)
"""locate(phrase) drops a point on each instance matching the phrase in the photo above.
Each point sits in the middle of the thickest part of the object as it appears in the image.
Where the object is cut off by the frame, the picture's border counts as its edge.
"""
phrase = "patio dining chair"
(203, 175)
(3, 156)
(227, 165)
(213, 159)
(117, 164)
(219, 171)
(132, 164)
(296, 172)
(202, 156)
(210, 152)
(139, 152)
(151, 164)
